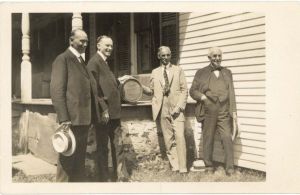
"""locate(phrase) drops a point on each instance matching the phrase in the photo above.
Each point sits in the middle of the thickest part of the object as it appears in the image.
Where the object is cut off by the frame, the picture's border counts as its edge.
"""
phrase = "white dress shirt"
(102, 56)
(77, 54)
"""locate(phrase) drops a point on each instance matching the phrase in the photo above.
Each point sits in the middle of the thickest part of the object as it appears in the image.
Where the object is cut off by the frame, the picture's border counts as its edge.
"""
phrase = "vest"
(218, 87)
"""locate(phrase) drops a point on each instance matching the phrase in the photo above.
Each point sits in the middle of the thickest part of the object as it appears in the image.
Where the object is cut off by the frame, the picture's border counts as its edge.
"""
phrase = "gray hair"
(161, 48)
(212, 50)
(73, 32)
(100, 38)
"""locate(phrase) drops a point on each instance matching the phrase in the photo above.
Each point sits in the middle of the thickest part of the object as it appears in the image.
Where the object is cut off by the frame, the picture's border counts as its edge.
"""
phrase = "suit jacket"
(200, 87)
(108, 86)
(70, 90)
(178, 90)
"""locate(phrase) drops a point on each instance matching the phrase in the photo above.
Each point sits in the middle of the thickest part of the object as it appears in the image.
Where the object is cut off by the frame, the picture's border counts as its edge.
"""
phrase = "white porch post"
(76, 21)
(133, 47)
(26, 86)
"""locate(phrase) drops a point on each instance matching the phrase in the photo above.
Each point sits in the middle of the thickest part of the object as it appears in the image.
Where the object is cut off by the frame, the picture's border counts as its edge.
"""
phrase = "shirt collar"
(102, 56)
(76, 53)
(167, 66)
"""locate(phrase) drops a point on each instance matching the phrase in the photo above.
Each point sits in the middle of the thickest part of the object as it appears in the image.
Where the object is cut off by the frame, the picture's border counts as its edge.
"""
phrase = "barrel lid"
(132, 90)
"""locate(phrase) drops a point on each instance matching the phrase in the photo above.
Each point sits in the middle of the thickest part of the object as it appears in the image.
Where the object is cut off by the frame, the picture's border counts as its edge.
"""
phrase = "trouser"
(217, 118)
(110, 131)
(72, 168)
(173, 133)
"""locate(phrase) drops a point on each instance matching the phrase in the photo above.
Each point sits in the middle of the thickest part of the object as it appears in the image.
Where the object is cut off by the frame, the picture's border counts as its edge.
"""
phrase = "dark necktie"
(82, 62)
(167, 85)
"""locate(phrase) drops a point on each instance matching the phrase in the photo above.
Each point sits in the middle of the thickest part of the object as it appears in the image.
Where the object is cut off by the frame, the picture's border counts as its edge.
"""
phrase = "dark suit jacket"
(70, 90)
(108, 85)
(200, 87)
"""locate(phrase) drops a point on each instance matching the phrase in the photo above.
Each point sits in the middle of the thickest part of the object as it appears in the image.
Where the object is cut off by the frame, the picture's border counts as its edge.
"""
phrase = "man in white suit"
(169, 89)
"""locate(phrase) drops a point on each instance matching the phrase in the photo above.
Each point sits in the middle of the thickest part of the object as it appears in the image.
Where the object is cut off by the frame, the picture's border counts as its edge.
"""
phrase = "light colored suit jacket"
(178, 90)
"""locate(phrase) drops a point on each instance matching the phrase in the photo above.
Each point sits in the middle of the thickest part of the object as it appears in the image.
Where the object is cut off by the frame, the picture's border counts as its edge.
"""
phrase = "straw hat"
(64, 142)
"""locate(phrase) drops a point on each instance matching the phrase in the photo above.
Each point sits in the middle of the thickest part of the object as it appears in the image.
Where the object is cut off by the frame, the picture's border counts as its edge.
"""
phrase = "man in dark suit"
(213, 90)
(74, 96)
(109, 94)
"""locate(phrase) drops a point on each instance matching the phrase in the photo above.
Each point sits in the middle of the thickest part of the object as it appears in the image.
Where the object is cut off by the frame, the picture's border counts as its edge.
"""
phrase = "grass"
(20, 177)
(158, 170)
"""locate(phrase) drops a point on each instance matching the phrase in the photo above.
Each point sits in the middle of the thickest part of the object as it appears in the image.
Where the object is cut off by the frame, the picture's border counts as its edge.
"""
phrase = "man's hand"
(105, 116)
(125, 77)
(175, 112)
(235, 126)
(65, 125)
(234, 115)
(203, 97)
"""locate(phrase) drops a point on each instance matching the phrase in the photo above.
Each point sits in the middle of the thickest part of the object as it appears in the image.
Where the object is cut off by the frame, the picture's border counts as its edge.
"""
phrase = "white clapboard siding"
(214, 21)
(226, 49)
(246, 106)
(241, 36)
(223, 43)
(226, 56)
(223, 28)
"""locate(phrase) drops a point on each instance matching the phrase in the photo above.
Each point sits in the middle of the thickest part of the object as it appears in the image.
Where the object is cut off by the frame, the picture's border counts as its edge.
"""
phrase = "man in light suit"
(169, 89)
(74, 96)
(110, 100)
(213, 90)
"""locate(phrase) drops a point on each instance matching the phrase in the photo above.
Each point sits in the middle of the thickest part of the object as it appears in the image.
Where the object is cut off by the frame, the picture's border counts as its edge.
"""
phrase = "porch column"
(76, 21)
(26, 86)
(133, 47)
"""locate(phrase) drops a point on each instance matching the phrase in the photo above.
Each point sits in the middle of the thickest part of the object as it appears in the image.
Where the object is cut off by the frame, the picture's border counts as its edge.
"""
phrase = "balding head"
(78, 40)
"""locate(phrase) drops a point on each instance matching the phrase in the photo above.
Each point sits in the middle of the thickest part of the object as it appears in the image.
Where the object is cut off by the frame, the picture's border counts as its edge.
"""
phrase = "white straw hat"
(64, 142)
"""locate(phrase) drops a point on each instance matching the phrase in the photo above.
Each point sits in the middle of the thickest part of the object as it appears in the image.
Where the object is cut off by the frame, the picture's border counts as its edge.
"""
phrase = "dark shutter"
(169, 33)
(122, 46)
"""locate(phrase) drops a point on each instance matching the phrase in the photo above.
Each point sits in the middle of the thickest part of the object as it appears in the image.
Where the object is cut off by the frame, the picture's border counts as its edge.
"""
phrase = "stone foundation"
(138, 136)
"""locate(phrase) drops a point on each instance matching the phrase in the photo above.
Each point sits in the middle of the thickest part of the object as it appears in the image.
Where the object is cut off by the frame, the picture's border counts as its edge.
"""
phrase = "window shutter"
(169, 33)
(123, 44)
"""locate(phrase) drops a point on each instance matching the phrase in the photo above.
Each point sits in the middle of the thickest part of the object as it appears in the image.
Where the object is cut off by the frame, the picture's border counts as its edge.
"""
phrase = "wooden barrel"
(131, 90)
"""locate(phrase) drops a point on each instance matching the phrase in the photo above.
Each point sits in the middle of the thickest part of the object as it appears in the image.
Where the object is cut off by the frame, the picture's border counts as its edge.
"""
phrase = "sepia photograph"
(201, 120)
(140, 97)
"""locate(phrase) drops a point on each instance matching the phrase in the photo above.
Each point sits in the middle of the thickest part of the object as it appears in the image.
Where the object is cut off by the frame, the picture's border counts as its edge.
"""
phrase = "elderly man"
(169, 89)
(74, 96)
(213, 90)
(110, 101)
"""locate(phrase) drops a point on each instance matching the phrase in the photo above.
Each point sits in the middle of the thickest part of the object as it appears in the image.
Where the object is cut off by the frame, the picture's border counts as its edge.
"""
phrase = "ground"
(156, 169)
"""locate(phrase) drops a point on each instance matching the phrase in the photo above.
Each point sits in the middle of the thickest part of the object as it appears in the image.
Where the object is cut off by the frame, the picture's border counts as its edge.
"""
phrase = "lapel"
(171, 73)
(225, 75)
(160, 75)
(106, 69)
(77, 63)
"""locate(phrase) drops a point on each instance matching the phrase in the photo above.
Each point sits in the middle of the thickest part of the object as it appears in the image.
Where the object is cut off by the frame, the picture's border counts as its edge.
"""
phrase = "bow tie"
(219, 68)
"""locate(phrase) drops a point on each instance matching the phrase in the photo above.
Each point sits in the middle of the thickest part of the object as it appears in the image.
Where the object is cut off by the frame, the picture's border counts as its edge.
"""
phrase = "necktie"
(82, 60)
(167, 85)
